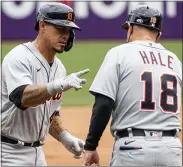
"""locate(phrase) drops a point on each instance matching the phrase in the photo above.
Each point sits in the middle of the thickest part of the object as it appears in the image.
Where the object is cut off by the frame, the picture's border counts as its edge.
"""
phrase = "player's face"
(57, 37)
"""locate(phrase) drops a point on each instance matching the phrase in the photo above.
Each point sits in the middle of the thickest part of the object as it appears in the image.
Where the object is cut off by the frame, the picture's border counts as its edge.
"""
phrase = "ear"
(158, 36)
(41, 25)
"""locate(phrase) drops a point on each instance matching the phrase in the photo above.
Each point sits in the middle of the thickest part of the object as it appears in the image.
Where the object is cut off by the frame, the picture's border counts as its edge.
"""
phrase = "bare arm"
(56, 127)
(71, 143)
(34, 95)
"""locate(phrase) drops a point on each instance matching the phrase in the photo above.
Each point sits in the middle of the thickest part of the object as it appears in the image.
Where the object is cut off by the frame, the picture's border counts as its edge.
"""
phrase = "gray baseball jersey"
(144, 79)
(25, 65)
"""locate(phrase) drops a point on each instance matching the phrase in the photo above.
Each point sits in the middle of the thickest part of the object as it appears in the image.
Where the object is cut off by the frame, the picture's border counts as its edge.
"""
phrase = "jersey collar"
(39, 56)
(148, 43)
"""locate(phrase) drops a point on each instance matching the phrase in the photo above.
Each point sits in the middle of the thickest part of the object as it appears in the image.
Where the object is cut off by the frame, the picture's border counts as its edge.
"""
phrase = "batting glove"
(71, 143)
(71, 81)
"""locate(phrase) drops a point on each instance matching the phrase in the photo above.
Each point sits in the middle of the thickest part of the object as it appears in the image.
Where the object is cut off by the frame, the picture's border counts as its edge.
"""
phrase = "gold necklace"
(36, 44)
(37, 47)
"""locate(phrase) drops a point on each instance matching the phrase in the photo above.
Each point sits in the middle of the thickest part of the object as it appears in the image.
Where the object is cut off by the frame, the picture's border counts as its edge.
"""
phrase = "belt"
(13, 141)
(141, 132)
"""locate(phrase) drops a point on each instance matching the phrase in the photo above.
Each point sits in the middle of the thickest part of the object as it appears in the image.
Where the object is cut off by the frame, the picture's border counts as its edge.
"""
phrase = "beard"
(61, 50)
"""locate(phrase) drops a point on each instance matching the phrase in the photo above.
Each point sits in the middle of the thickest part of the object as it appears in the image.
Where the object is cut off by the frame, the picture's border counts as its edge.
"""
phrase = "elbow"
(16, 97)
(103, 103)
(23, 104)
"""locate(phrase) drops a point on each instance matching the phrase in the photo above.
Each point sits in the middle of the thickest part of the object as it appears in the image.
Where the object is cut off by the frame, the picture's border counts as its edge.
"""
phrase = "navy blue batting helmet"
(146, 16)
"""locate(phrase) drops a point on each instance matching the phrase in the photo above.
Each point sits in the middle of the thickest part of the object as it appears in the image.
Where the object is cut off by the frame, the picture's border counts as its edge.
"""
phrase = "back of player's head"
(145, 16)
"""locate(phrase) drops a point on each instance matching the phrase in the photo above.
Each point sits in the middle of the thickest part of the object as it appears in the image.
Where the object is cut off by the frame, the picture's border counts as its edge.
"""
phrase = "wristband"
(55, 87)
(62, 134)
(50, 88)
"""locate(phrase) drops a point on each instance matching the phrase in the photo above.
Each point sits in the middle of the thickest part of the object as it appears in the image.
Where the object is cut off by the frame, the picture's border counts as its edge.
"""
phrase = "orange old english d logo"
(69, 16)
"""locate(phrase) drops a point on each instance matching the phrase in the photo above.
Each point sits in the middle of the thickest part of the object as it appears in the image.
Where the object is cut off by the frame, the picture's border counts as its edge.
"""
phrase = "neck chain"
(36, 45)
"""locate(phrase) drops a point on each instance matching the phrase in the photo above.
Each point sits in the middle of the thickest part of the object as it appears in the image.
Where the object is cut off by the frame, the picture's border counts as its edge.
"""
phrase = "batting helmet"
(146, 16)
(58, 14)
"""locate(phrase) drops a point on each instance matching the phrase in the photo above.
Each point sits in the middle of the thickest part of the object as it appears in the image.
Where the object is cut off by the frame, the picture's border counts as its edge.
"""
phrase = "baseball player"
(140, 84)
(33, 80)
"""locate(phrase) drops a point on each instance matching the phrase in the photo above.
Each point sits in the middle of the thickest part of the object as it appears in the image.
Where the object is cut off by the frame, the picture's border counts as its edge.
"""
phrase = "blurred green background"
(90, 55)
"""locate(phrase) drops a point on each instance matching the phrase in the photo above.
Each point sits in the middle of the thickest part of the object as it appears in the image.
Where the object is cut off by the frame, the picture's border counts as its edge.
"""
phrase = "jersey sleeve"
(17, 71)
(107, 79)
(180, 73)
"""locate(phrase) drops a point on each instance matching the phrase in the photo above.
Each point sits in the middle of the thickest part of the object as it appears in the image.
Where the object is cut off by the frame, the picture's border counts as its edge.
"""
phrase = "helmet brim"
(64, 23)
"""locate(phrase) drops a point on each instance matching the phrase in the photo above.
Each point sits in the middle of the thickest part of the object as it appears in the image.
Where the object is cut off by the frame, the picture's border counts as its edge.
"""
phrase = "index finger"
(81, 73)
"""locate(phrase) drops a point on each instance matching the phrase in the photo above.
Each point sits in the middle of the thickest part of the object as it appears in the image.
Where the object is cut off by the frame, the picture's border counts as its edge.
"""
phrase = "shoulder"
(60, 65)
(120, 48)
(174, 56)
(170, 53)
(118, 52)
(19, 53)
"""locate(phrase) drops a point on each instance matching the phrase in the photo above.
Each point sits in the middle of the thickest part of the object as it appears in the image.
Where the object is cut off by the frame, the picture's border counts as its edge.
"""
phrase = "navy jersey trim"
(39, 61)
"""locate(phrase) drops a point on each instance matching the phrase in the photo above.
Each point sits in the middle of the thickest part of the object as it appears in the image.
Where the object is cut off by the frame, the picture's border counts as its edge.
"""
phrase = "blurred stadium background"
(100, 23)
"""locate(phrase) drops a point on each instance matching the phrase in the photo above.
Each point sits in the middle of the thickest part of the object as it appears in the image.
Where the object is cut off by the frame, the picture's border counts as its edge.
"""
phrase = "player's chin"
(59, 49)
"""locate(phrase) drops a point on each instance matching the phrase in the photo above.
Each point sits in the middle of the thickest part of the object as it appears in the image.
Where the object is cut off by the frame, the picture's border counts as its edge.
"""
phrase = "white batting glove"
(71, 81)
(71, 143)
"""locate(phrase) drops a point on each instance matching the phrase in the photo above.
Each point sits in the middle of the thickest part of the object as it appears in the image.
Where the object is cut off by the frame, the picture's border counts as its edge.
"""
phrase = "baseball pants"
(147, 151)
(18, 155)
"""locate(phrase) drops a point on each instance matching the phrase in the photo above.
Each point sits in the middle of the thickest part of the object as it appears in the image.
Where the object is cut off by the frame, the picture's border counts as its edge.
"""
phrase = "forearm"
(34, 95)
(100, 117)
(71, 143)
(56, 126)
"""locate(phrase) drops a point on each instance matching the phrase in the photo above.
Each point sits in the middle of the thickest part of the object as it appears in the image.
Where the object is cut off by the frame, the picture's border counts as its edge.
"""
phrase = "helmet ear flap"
(70, 41)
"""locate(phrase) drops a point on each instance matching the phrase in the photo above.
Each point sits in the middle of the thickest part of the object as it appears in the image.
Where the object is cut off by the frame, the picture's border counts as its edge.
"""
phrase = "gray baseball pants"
(147, 151)
(18, 155)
